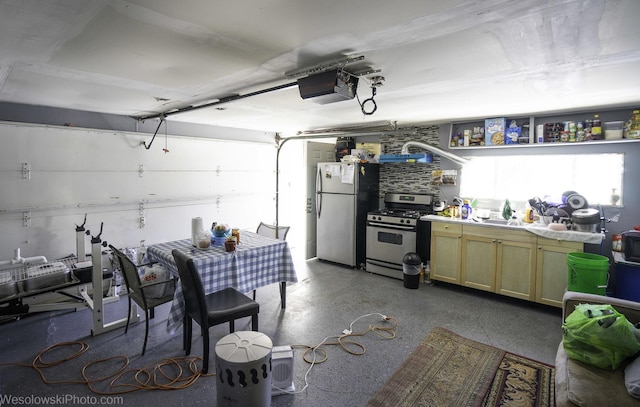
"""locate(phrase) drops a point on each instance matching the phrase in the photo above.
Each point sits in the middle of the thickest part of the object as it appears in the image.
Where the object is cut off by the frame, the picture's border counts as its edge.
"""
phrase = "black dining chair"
(225, 305)
(267, 230)
(139, 292)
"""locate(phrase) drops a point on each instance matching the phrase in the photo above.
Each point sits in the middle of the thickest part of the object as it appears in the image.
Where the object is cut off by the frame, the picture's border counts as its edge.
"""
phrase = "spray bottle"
(466, 210)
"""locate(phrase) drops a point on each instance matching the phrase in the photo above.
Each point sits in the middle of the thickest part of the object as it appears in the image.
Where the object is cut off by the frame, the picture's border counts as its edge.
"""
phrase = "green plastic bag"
(599, 335)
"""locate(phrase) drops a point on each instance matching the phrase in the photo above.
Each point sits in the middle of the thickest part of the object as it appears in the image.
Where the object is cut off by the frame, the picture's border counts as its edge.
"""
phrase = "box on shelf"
(512, 133)
(613, 130)
(373, 150)
(494, 131)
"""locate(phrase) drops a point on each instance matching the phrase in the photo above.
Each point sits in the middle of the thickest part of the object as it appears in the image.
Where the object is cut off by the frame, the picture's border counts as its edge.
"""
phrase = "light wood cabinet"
(516, 266)
(499, 260)
(445, 252)
(479, 251)
(510, 262)
(551, 273)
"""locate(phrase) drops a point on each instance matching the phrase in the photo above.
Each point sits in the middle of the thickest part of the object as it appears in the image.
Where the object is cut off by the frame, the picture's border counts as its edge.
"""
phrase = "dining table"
(256, 262)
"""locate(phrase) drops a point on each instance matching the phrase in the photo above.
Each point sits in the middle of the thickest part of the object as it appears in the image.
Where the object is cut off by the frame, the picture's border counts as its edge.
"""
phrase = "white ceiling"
(441, 60)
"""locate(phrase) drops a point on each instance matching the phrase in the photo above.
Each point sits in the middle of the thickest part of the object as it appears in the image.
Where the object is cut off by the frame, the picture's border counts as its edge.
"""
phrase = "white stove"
(400, 217)
(396, 230)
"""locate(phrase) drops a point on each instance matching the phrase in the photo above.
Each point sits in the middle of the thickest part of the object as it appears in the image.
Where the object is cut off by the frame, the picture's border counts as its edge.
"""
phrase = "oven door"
(386, 246)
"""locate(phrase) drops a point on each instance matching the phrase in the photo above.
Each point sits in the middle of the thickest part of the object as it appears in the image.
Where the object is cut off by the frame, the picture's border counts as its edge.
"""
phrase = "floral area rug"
(447, 369)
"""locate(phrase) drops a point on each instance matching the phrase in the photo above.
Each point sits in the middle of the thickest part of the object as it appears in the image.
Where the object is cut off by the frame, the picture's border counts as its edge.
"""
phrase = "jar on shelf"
(634, 126)
(596, 129)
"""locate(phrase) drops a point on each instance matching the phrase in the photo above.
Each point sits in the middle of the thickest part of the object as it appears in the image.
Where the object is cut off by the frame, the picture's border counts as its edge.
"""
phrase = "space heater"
(282, 370)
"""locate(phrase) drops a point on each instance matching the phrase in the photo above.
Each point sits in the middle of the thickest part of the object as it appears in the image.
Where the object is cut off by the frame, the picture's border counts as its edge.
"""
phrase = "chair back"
(192, 289)
(270, 231)
(129, 271)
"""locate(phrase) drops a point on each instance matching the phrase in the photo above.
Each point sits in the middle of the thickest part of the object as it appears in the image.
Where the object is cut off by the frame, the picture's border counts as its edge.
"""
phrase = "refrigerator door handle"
(318, 192)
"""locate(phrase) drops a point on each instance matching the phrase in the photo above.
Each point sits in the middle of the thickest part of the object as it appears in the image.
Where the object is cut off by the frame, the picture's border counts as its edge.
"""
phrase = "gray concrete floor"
(322, 304)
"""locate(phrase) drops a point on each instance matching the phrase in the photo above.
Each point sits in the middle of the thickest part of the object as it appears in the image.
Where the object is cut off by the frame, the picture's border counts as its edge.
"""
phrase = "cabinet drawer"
(446, 227)
(564, 244)
(500, 233)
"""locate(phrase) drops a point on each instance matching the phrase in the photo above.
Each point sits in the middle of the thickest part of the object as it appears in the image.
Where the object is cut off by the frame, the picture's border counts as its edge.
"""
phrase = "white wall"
(75, 171)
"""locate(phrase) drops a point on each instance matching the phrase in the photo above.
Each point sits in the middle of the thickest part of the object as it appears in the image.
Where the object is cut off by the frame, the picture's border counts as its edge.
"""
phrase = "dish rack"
(21, 279)
(28, 287)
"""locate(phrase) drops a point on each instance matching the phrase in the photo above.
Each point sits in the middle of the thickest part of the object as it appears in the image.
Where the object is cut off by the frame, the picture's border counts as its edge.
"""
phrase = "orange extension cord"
(165, 374)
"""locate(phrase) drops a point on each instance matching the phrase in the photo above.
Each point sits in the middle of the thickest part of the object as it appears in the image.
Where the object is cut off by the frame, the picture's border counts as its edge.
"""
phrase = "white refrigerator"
(345, 193)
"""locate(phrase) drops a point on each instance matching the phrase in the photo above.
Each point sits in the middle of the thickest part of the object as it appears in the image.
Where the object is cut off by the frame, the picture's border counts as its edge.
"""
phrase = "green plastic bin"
(588, 273)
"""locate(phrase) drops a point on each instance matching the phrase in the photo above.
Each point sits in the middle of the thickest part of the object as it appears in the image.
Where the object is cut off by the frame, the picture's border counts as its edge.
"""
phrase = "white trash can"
(243, 370)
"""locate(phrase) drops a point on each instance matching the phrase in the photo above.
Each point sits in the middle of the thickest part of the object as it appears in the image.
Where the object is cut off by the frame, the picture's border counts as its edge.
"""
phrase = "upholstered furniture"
(219, 307)
(578, 384)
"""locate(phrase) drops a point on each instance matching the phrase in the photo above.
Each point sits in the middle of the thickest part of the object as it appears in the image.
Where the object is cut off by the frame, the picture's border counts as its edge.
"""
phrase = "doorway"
(296, 198)
(314, 153)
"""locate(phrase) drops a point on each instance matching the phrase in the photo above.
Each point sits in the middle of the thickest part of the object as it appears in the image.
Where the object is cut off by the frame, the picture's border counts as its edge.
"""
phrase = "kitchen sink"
(495, 221)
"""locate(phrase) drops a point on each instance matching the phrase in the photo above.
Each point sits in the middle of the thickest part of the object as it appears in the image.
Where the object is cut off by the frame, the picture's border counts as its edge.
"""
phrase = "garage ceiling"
(441, 60)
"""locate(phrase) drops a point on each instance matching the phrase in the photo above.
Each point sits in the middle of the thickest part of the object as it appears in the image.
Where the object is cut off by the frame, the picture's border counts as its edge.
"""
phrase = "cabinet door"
(445, 252)
(516, 269)
(478, 262)
(552, 271)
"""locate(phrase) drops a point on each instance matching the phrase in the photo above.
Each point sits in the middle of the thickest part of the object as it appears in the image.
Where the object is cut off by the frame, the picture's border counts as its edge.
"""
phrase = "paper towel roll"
(196, 228)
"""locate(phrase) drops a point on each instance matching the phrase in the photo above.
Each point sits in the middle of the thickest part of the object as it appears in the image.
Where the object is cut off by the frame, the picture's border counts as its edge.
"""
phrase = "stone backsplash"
(408, 177)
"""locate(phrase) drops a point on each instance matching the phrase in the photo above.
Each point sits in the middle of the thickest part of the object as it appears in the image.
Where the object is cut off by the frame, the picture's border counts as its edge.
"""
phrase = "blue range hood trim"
(406, 158)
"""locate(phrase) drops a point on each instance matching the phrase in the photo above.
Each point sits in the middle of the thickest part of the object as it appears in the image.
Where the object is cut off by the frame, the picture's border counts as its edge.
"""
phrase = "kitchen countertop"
(619, 258)
(535, 228)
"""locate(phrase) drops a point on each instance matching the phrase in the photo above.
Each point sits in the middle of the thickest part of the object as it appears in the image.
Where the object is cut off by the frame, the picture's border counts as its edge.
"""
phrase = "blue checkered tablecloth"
(257, 261)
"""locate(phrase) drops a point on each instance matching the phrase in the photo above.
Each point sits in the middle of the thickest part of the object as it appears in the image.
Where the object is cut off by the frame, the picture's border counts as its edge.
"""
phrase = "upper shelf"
(548, 126)
(536, 145)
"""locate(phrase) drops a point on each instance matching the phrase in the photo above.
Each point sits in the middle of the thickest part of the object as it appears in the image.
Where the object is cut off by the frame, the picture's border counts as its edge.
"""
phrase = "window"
(521, 177)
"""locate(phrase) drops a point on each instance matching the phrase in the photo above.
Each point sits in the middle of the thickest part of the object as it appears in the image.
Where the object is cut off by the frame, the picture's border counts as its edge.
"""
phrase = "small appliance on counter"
(586, 220)
(631, 245)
